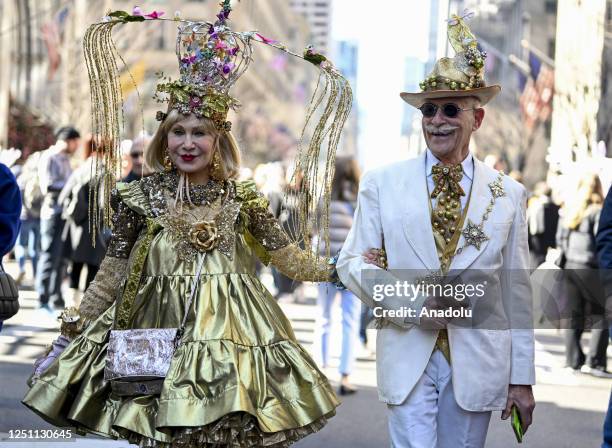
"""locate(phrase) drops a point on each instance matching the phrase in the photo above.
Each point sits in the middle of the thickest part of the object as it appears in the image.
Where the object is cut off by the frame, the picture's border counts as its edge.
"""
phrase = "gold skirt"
(239, 378)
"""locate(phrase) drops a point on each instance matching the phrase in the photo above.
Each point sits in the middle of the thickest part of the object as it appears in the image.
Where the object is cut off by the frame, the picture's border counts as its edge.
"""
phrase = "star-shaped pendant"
(497, 188)
(473, 234)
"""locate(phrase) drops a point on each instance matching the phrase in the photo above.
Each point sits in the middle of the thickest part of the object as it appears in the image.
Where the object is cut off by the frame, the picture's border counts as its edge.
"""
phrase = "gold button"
(452, 229)
(445, 219)
(447, 240)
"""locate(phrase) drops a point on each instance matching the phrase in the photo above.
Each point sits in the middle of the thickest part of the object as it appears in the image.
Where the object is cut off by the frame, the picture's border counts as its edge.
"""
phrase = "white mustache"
(443, 128)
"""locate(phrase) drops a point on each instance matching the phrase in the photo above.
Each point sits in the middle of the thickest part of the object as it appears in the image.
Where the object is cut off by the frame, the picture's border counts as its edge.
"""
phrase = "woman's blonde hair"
(588, 193)
(225, 143)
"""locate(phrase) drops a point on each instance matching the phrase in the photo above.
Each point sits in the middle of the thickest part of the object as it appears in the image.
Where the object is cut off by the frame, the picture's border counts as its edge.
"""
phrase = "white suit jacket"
(393, 203)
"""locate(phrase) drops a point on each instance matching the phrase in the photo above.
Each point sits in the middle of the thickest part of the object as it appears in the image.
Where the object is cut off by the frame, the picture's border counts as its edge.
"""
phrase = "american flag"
(536, 99)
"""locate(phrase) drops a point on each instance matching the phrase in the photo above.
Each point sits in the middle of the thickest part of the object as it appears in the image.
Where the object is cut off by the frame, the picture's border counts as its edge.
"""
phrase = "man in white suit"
(442, 212)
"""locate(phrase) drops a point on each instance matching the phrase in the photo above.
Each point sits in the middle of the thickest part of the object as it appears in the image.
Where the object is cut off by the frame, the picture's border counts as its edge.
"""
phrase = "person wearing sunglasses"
(446, 215)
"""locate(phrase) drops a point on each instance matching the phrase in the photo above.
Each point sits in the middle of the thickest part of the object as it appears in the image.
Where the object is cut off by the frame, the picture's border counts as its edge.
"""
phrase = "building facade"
(318, 14)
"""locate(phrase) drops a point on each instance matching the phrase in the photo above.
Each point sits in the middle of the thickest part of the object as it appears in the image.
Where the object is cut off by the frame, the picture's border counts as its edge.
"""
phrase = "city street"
(576, 403)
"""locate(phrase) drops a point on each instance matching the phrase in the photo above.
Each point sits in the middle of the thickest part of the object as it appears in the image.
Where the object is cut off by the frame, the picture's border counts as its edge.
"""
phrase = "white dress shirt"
(466, 180)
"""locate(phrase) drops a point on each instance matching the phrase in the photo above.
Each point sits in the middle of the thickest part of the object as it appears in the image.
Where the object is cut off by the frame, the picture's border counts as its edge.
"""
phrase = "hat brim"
(484, 94)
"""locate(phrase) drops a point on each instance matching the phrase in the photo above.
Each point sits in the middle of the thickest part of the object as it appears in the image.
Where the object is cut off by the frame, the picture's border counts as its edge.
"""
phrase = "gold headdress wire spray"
(315, 163)
(106, 109)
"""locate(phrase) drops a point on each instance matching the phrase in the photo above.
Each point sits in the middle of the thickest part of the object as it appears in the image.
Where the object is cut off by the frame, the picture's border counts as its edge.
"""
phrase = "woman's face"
(191, 147)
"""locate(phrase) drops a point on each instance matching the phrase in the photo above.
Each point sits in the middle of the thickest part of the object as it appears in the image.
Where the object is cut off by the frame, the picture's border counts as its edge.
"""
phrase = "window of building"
(550, 7)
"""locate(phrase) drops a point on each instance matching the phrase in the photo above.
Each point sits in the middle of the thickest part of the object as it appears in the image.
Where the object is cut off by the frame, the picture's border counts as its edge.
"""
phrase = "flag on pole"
(536, 99)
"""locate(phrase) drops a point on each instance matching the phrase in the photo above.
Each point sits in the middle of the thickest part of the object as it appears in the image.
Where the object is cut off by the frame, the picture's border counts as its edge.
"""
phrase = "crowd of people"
(56, 233)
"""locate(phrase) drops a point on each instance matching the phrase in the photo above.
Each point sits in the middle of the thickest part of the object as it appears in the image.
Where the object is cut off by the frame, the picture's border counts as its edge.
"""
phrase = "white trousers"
(431, 418)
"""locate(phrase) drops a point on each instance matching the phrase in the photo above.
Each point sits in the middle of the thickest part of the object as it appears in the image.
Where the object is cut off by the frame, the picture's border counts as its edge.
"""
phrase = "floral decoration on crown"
(211, 58)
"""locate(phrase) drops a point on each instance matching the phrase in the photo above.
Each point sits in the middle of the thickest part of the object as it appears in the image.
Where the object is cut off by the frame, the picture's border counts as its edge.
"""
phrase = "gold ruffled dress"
(239, 377)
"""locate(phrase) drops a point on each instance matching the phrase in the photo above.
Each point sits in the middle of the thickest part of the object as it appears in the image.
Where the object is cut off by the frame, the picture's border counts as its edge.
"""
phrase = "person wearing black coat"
(77, 235)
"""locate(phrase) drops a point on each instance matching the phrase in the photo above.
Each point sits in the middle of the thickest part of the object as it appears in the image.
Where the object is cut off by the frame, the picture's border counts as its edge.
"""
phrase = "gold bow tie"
(446, 179)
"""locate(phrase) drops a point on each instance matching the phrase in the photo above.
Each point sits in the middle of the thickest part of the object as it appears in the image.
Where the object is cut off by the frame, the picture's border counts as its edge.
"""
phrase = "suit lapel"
(479, 201)
(416, 220)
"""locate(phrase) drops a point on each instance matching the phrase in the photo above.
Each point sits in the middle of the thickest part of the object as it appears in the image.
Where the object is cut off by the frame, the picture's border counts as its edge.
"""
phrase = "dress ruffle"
(225, 383)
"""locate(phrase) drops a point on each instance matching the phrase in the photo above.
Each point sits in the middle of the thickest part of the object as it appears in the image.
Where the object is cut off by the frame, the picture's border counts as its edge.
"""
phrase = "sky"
(386, 33)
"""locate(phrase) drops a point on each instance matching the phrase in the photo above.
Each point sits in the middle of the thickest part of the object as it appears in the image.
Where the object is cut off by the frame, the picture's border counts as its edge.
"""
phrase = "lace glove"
(301, 265)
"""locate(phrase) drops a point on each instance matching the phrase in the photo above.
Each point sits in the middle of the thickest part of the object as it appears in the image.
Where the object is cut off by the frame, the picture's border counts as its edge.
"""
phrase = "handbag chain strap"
(194, 287)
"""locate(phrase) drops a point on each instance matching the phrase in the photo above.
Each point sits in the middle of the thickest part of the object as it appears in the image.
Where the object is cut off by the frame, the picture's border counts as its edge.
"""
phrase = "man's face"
(136, 153)
(447, 136)
(72, 145)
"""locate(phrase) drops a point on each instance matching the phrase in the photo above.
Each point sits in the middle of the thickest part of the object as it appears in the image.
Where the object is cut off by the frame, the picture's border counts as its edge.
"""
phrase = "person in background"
(344, 194)
(136, 153)
(54, 170)
(576, 239)
(542, 219)
(28, 244)
(10, 210)
(604, 256)
(284, 208)
(77, 237)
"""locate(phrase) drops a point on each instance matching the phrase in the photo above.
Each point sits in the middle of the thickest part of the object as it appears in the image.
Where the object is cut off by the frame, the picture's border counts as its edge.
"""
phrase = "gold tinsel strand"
(107, 119)
(315, 162)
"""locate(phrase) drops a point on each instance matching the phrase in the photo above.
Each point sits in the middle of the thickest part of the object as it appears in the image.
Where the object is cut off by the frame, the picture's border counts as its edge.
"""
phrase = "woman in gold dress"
(238, 378)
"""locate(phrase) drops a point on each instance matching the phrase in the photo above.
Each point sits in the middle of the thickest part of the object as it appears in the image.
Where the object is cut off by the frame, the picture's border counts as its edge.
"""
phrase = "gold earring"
(168, 165)
(216, 169)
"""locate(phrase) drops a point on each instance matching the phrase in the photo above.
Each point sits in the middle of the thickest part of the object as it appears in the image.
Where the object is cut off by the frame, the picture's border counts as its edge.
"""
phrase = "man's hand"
(435, 303)
(376, 257)
(522, 397)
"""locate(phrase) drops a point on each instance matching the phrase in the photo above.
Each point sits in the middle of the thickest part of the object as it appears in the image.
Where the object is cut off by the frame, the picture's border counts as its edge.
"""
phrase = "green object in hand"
(517, 426)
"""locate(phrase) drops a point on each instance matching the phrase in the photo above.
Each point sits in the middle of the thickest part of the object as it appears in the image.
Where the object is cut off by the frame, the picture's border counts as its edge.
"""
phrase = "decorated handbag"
(137, 360)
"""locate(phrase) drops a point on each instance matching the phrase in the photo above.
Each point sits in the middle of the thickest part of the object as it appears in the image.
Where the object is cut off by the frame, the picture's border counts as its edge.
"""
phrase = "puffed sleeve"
(286, 256)
(104, 289)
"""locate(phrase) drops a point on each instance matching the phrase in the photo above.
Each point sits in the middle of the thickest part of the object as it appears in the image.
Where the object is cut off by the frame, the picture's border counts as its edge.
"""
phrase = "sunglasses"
(450, 110)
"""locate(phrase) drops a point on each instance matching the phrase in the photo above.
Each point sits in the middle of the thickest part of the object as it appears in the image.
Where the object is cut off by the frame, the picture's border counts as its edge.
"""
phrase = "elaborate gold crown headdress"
(212, 57)
(462, 75)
